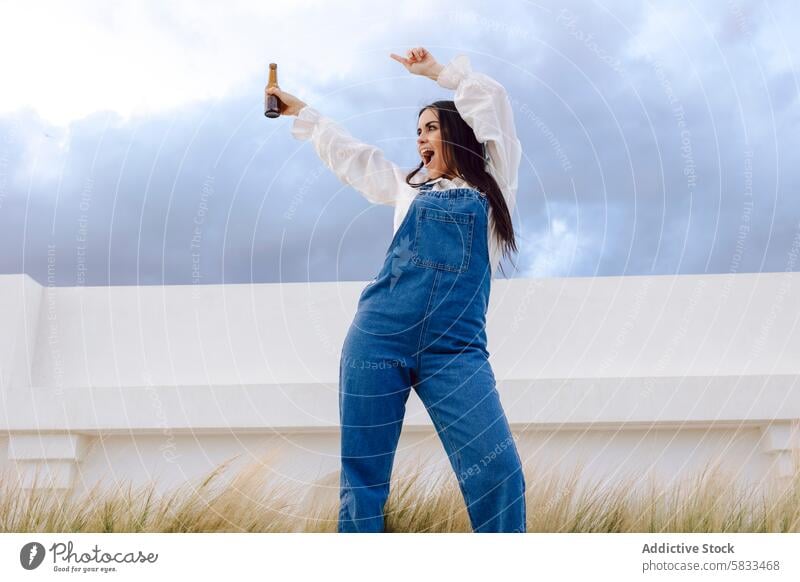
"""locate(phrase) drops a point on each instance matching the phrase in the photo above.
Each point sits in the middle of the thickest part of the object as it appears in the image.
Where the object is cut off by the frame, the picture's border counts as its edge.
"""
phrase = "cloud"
(73, 59)
(557, 250)
(113, 118)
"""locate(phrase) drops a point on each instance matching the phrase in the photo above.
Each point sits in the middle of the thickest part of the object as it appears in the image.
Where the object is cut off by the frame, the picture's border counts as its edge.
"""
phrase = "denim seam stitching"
(459, 462)
(426, 317)
(400, 227)
(351, 499)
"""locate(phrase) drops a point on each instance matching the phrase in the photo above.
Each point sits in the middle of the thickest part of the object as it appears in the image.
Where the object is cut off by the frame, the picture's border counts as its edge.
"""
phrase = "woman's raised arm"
(484, 105)
(356, 164)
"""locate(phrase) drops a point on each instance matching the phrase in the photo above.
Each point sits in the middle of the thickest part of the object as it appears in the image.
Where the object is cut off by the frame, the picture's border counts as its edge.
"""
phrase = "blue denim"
(421, 323)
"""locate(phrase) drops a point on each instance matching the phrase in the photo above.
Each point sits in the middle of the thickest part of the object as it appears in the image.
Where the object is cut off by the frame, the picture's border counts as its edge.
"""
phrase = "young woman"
(421, 321)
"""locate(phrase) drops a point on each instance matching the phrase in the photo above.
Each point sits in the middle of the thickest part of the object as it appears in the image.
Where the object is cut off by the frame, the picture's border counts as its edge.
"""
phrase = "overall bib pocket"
(443, 239)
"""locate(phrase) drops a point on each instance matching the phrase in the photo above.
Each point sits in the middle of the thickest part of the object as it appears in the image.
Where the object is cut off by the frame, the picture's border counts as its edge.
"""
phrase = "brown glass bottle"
(272, 105)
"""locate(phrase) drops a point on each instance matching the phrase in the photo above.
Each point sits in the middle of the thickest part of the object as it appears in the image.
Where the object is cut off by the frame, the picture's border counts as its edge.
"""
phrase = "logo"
(31, 555)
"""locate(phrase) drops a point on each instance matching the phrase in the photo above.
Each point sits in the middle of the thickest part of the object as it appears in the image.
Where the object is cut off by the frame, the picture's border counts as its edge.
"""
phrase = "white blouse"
(480, 100)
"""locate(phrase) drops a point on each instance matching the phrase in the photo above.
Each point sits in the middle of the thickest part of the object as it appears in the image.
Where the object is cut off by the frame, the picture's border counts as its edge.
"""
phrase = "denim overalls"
(421, 323)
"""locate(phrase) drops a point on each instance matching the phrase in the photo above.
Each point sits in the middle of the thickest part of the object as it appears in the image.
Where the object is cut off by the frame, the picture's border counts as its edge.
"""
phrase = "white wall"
(624, 374)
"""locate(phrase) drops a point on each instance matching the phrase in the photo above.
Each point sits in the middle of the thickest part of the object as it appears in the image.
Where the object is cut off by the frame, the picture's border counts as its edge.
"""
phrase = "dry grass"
(251, 502)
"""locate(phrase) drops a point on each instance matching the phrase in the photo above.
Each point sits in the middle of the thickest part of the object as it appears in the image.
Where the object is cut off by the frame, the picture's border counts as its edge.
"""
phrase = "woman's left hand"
(419, 62)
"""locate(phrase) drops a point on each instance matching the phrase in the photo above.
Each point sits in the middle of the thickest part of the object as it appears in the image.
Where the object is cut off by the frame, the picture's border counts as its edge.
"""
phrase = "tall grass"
(252, 501)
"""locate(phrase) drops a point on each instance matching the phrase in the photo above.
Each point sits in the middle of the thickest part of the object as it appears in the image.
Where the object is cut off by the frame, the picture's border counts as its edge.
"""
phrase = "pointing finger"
(398, 58)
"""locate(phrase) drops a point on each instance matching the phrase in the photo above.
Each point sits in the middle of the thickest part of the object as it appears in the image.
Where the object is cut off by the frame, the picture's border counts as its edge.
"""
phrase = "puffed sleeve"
(356, 164)
(484, 105)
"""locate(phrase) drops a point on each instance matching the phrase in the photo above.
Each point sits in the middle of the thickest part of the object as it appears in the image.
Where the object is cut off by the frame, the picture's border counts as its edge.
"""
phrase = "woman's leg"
(372, 403)
(460, 395)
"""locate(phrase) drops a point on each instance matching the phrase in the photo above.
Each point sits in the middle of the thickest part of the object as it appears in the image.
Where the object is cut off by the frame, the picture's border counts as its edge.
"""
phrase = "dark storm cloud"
(648, 149)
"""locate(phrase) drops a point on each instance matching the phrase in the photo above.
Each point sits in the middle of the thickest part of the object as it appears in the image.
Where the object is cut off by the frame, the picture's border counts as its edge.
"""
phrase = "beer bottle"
(272, 105)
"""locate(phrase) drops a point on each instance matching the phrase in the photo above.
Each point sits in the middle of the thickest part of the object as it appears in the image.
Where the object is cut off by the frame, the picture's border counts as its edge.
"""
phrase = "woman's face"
(429, 143)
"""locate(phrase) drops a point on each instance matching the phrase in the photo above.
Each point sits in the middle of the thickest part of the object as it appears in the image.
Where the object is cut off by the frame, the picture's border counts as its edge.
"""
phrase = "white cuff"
(452, 74)
(303, 126)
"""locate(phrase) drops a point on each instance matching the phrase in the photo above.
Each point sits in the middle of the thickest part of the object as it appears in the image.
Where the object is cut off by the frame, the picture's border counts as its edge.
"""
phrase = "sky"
(658, 138)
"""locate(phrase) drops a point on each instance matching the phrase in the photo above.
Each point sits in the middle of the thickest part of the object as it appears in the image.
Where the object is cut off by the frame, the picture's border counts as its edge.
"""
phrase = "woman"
(421, 321)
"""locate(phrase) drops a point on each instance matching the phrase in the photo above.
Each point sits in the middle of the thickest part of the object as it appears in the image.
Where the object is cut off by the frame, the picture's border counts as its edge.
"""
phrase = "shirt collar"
(458, 182)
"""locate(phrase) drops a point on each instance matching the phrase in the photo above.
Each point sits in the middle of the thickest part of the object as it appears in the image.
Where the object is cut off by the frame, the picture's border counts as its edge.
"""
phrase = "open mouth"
(427, 156)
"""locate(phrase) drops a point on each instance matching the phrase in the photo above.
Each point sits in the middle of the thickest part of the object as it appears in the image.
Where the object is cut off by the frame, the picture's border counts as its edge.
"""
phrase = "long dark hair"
(465, 157)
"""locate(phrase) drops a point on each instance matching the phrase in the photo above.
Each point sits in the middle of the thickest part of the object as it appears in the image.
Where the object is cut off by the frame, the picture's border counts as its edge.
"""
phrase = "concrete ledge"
(782, 440)
(34, 447)
(577, 402)
(47, 460)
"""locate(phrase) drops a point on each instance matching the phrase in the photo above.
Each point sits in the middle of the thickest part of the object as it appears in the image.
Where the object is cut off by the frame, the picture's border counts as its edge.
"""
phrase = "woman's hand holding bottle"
(289, 104)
